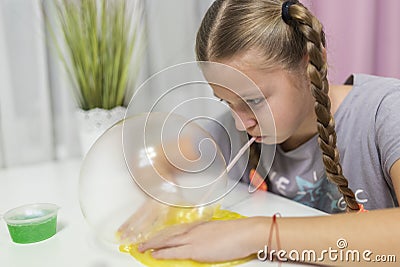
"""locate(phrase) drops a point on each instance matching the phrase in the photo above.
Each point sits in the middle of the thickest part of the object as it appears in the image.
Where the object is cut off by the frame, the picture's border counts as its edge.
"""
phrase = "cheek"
(265, 120)
(284, 119)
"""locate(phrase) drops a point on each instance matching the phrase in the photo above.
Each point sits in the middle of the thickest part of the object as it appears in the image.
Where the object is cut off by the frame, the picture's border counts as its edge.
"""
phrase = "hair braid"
(312, 30)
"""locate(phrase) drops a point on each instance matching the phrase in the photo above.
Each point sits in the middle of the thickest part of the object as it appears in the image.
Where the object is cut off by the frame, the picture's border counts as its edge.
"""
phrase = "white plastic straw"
(230, 165)
(240, 153)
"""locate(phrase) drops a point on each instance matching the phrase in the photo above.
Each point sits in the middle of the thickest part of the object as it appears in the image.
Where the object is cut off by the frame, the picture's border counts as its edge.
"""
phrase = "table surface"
(74, 243)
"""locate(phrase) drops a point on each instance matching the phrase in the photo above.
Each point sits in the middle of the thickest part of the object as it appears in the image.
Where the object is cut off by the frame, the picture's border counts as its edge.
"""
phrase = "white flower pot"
(93, 123)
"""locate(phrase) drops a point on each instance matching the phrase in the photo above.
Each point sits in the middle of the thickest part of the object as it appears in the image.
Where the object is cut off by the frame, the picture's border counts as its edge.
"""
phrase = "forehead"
(231, 73)
(249, 81)
(248, 73)
(226, 77)
(250, 59)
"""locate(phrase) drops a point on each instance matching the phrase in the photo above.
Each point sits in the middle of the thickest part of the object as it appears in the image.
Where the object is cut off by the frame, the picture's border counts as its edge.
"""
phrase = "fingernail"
(155, 254)
(140, 247)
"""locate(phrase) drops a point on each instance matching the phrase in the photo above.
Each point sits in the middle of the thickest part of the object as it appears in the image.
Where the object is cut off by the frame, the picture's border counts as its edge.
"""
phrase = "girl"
(280, 46)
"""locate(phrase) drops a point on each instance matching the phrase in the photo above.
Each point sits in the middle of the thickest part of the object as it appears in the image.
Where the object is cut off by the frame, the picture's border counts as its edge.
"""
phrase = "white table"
(75, 244)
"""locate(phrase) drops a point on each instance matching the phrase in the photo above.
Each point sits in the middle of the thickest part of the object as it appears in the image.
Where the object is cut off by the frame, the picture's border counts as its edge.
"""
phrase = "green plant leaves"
(101, 37)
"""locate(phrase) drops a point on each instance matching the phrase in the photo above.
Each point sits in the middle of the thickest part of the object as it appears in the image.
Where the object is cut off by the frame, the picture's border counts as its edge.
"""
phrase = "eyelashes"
(251, 102)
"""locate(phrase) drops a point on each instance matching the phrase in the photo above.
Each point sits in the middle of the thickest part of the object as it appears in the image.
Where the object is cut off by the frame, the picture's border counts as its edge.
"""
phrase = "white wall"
(37, 120)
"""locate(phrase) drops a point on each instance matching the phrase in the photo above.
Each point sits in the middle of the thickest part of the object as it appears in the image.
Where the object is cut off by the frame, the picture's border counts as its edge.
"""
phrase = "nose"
(243, 120)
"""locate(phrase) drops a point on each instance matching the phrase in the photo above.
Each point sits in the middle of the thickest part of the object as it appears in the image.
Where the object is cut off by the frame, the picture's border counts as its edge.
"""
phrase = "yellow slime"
(175, 216)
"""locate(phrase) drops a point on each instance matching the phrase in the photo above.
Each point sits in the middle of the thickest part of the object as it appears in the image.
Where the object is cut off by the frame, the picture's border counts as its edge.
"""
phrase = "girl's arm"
(374, 235)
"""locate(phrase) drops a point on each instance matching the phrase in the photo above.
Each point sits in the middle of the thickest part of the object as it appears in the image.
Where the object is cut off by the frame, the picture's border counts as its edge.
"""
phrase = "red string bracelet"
(274, 225)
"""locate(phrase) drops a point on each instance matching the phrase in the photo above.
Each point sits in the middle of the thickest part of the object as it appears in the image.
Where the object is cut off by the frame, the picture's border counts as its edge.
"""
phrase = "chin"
(267, 140)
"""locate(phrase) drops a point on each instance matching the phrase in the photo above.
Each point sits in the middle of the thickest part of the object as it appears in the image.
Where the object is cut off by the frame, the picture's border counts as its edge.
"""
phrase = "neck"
(309, 127)
(306, 131)
(296, 141)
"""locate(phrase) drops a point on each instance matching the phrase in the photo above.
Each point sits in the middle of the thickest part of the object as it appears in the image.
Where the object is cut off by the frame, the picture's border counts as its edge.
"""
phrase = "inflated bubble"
(163, 164)
(168, 169)
(174, 160)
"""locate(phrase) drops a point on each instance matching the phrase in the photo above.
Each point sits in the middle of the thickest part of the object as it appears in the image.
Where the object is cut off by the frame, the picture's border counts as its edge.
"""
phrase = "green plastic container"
(32, 223)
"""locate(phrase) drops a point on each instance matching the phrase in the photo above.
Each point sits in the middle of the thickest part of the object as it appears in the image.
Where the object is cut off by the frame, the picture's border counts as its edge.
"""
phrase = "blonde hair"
(233, 26)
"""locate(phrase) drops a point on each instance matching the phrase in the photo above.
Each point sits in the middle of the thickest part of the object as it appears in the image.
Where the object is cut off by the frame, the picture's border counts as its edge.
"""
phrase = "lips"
(259, 138)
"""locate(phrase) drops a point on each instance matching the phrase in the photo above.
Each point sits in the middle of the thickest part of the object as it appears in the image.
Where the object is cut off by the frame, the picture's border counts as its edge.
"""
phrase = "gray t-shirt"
(368, 139)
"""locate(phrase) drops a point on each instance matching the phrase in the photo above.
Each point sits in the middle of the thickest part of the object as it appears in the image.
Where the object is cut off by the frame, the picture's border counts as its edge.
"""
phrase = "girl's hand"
(140, 225)
(213, 241)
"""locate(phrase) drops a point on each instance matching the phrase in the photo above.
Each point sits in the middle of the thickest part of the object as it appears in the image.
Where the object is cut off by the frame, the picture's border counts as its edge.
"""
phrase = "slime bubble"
(157, 168)
(165, 161)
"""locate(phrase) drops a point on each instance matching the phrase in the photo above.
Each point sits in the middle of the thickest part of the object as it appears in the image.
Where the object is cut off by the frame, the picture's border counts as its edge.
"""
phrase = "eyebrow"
(245, 97)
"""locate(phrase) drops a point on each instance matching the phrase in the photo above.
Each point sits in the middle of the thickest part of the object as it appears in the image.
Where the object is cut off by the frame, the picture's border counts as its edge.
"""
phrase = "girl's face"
(281, 109)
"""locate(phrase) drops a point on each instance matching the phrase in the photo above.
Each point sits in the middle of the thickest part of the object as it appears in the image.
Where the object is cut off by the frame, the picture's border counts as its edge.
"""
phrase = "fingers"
(140, 224)
(130, 222)
(145, 208)
(140, 229)
(176, 235)
(180, 252)
(172, 236)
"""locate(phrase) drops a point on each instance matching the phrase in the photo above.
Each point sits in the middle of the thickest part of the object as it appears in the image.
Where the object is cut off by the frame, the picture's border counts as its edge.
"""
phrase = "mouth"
(260, 138)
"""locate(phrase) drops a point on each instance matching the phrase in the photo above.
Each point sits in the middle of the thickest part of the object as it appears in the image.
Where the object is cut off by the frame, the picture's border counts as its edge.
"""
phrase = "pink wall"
(362, 35)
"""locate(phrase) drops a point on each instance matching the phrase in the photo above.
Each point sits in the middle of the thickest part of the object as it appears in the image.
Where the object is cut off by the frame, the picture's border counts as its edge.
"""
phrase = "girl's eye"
(255, 101)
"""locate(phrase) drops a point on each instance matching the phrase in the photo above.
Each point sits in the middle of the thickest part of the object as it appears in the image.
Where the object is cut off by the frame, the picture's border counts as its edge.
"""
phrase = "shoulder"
(377, 85)
(366, 90)
(337, 93)
(380, 92)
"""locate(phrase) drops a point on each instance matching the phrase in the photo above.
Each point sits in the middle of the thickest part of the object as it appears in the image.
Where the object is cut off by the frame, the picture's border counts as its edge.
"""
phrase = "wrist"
(259, 228)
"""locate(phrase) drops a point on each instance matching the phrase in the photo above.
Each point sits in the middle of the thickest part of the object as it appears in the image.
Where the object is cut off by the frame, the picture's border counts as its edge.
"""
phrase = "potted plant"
(100, 48)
